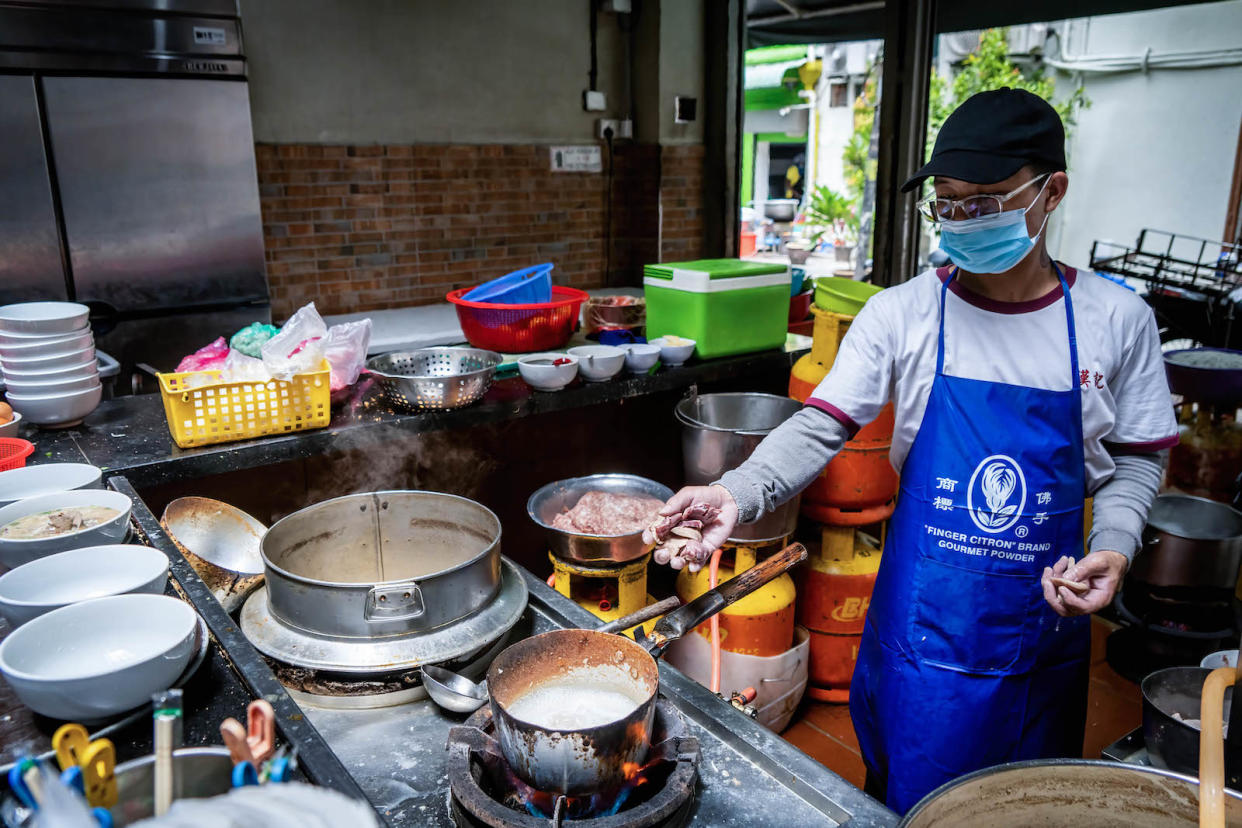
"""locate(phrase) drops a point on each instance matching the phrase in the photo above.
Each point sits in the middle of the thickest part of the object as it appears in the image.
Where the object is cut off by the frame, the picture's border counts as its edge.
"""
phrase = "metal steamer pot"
(719, 432)
(1172, 744)
(596, 759)
(382, 563)
(1190, 542)
(1067, 793)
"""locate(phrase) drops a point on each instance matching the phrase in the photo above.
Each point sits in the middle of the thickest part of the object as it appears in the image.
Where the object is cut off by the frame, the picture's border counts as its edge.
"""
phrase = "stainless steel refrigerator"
(128, 179)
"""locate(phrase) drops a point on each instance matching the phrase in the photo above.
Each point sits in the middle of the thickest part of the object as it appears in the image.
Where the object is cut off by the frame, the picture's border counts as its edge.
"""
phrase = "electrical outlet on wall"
(685, 109)
(620, 128)
(593, 101)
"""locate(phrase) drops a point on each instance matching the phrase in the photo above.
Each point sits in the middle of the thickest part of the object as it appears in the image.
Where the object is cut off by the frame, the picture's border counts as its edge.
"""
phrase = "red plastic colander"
(13, 452)
(519, 329)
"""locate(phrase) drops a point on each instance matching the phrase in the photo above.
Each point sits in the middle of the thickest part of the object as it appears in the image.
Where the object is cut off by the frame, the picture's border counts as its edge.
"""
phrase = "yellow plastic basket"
(202, 414)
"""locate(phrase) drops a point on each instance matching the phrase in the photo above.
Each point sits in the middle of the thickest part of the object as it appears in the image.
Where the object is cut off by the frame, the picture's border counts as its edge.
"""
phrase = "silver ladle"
(453, 691)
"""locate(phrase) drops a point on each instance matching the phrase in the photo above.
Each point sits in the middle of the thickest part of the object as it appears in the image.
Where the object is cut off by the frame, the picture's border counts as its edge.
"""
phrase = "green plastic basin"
(844, 296)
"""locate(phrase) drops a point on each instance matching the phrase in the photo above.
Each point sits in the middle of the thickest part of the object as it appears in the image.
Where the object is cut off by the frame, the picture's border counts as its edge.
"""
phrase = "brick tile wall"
(357, 228)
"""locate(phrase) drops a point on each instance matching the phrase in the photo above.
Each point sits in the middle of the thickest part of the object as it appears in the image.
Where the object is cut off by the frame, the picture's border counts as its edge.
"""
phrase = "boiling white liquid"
(570, 706)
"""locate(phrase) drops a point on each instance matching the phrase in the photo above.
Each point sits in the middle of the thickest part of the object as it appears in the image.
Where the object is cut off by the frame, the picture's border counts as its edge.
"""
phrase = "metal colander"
(434, 378)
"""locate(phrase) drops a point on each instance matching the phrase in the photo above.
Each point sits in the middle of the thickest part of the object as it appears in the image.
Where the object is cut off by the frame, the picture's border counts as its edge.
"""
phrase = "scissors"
(97, 761)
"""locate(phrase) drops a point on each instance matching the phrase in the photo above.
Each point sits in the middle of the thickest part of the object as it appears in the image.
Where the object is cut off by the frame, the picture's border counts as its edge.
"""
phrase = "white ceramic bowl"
(674, 355)
(89, 368)
(14, 553)
(548, 377)
(80, 575)
(7, 338)
(43, 317)
(47, 347)
(67, 359)
(88, 661)
(9, 429)
(639, 357)
(1223, 658)
(58, 409)
(48, 478)
(59, 385)
(598, 363)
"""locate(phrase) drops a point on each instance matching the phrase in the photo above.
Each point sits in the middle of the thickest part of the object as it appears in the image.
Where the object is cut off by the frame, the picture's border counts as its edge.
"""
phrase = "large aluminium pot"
(719, 432)
(1190, 542)
(382, 563)
(1067, 793)
(595, 759)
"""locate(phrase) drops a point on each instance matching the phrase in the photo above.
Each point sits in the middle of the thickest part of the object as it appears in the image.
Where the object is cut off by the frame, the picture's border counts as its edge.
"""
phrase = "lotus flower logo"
(997, 494)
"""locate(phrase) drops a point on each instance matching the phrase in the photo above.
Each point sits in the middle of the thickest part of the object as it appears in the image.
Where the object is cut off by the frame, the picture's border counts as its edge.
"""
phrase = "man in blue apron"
(1021, 386)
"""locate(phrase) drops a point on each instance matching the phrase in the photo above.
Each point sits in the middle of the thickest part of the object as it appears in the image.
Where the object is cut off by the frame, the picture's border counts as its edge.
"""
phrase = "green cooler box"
(727, 306)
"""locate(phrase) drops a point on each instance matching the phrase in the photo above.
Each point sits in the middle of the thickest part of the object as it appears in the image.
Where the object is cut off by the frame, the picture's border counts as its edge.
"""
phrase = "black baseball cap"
(993, 135)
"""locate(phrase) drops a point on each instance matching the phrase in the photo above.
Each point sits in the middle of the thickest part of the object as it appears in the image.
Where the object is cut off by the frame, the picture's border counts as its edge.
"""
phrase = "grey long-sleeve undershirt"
(792, 456)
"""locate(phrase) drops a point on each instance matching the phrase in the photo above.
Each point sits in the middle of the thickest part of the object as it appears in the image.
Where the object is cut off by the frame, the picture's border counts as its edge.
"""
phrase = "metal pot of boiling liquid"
(1190, 542)
(382, 563)
(719, 431)
(574, 709)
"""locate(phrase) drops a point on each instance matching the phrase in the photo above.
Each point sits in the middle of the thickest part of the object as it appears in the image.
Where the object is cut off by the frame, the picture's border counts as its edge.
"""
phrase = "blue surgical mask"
(990, 244)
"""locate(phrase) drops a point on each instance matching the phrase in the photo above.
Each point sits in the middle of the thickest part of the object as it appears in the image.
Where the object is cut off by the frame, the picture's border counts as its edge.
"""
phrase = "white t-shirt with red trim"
(889, 353)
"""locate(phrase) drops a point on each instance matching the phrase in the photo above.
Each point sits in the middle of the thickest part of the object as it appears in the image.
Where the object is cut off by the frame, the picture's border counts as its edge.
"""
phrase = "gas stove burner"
(1168, 628)
(385, 655)
(350, 691)
(486, 792)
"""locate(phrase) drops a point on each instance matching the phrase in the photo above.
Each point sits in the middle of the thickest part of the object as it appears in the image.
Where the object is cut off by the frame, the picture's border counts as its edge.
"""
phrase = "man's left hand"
(1101, 571)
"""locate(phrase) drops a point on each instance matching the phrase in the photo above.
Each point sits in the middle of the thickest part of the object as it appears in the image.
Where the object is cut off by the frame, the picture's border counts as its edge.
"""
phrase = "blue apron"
(962, 664)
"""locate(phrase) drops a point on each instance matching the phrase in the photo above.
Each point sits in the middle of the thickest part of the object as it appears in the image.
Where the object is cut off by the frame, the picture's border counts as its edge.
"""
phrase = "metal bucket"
(200, 773)
(719, 431)
(1067, 793)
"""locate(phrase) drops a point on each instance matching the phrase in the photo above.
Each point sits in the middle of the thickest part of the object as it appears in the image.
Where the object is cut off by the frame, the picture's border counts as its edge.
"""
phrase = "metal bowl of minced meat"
(599, 518)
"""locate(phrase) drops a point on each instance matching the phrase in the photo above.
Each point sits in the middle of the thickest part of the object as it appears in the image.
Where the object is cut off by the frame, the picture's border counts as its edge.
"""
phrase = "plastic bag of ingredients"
(249, 340)
(298, 348)
(285, 805)
(241, 368)
(207, 358)
(345, 348)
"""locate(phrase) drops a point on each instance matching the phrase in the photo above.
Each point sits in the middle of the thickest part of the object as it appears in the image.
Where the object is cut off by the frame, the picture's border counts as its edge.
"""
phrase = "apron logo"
(999, 487)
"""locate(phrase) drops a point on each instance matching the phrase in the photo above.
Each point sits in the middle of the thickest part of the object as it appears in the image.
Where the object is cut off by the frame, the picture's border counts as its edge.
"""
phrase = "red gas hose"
(715, 622)
(552, 580)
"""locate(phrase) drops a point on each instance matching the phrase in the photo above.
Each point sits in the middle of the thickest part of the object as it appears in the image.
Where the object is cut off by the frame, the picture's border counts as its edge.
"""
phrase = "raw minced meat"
(608, 513)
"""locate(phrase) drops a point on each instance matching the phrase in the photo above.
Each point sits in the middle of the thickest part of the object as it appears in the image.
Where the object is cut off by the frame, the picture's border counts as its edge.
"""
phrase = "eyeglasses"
(937, 210)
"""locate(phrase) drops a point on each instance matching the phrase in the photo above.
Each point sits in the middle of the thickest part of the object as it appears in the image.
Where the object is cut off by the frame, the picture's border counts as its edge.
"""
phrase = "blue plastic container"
(529, 286)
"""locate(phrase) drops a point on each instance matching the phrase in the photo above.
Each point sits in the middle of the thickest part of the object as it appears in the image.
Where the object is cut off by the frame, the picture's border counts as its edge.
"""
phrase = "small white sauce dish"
(598, 363)
(86, 662)
(640, 357)
(14, 553)
(79, 575)
(9, 429)
(542, 374)
(674, 355)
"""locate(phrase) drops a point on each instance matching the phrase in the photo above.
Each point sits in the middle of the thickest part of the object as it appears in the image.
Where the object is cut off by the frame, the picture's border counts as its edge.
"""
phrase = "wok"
(1067, 793)
(577, 760)
(221, 543)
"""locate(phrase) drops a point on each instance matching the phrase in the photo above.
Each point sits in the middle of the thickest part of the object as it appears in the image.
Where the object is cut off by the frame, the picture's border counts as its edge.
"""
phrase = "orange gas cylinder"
(762, 623)
(834, 591)
(858, 486)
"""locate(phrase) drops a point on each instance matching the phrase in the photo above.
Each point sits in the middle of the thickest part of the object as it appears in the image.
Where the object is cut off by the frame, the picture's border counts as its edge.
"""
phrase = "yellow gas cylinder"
(828, 331)
(761, 624)
(834, 589)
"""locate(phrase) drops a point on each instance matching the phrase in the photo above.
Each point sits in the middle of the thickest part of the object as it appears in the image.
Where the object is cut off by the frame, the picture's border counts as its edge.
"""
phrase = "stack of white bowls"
(47, 355)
